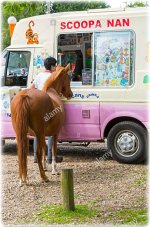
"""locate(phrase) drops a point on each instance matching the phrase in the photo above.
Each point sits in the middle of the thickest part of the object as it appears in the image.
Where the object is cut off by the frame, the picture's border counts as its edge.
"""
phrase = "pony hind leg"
(22, 160)
(39, 153)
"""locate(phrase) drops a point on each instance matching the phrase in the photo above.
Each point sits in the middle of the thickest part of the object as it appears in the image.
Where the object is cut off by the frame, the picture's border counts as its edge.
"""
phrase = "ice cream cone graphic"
(12, 22)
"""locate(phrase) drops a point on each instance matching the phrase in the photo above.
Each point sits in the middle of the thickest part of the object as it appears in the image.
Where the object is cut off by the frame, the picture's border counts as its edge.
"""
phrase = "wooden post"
(67, 189)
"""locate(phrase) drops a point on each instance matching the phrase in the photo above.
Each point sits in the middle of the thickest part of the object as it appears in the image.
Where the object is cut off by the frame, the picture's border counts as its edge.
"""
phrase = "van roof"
(92, 11)
(44, 27)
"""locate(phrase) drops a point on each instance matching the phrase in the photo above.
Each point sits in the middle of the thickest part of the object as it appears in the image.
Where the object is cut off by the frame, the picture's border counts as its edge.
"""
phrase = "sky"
(117, 3)
(114, 3)
(120, 3)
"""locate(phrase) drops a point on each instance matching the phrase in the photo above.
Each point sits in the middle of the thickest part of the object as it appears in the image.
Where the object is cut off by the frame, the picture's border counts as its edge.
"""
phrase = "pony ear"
(67, 68)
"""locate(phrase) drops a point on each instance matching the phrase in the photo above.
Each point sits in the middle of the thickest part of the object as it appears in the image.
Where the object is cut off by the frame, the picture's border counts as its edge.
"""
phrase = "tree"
(76, 6)
(19, 10)
(138, 4)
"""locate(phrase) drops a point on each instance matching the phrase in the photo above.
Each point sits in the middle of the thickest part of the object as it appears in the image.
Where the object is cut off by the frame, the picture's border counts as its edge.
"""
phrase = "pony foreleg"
(54, 170)
(23, 181)
(54, 152)
(44, 159)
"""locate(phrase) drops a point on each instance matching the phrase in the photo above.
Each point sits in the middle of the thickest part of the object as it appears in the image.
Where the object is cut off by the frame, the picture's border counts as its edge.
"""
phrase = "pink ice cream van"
(109, 52)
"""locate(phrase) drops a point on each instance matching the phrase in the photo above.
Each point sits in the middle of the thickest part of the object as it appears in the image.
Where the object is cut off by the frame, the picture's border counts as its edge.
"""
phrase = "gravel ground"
(105, 184)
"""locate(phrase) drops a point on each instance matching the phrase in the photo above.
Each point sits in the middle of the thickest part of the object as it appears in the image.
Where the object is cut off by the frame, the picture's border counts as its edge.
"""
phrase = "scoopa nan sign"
(124, 22)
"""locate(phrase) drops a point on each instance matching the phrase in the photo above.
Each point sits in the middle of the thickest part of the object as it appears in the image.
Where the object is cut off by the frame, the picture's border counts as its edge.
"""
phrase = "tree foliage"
(26, 9)
(76, 6)
(19, 10)
(138, 4)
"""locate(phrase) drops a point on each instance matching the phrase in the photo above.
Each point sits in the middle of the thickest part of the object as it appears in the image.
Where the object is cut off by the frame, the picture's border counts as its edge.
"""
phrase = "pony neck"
(55, 82)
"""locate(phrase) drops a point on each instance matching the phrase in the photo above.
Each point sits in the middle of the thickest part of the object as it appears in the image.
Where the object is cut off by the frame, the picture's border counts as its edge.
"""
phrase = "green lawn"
(128, 217)
(83, 214)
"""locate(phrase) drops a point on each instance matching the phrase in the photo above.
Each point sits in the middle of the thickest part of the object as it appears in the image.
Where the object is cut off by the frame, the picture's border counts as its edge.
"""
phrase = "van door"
(16, 73)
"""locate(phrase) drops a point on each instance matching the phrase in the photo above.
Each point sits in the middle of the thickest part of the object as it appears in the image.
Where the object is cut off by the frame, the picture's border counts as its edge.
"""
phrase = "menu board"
(113, 54)
(86, 77)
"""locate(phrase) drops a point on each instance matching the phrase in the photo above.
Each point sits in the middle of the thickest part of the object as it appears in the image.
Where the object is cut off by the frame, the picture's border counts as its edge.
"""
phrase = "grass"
(56, 215)
(83, 214)
(129, 217)
(142, 179)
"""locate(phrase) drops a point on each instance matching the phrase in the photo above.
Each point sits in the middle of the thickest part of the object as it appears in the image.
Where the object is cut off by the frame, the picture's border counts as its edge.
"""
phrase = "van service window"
(17, 68)
(75, 48)
(114, 58)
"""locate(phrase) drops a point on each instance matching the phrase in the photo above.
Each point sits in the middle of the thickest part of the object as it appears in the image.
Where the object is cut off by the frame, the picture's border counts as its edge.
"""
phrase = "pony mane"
(49, 82)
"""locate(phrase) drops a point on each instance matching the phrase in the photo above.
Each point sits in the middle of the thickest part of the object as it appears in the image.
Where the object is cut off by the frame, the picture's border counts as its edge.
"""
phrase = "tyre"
(127, 141)
(31, 142)
(2, 142)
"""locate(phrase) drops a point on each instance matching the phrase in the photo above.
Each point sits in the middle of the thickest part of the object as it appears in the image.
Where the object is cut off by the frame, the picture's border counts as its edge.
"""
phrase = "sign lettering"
(110, 23)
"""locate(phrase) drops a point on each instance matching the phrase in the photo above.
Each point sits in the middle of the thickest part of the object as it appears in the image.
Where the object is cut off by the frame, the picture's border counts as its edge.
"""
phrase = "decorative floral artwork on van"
(32, 38)
(7, 94)
(146, 80)
(38, 61)
(114, 59)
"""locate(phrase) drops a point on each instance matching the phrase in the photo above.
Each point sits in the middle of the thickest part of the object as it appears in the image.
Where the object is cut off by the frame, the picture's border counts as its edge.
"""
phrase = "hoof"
(23, 183)
(55, 173)
(59, 159)
(49, 161)
(45, 179)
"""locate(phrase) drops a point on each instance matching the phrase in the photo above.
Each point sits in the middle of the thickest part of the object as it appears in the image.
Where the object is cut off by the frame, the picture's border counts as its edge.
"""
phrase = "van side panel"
(111, 111)
(81, 122)
(7, 130)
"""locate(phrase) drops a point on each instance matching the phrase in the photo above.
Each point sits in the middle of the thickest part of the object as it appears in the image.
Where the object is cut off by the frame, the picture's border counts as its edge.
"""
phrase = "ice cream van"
(109, 53)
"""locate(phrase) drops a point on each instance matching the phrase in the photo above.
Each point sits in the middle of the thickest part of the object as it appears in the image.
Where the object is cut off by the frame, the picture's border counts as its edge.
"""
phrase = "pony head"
(60, 81)
(66, 89)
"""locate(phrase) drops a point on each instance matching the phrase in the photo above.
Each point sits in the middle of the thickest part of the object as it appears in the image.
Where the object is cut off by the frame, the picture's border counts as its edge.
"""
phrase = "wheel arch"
(117, 120)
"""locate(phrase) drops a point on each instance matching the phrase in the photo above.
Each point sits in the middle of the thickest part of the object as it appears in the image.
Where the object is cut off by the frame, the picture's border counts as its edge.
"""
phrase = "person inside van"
(50, 67)
(77, 73)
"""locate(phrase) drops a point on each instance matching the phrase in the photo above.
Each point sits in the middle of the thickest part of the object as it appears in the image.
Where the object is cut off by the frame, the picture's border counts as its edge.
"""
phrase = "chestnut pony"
(40, 113)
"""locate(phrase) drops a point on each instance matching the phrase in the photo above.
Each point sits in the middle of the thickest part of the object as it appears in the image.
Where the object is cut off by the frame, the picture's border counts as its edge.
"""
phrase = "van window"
(75, 49)
(17, 68)
(3, 61)
(114, 58)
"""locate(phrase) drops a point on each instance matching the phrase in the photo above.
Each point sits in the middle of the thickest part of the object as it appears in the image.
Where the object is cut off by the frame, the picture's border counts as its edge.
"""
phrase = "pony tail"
(22, 122)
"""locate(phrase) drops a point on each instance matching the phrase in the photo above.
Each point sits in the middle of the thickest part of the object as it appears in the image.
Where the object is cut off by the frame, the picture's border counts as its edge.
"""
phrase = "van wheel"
(2, 142)
(127, 141)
